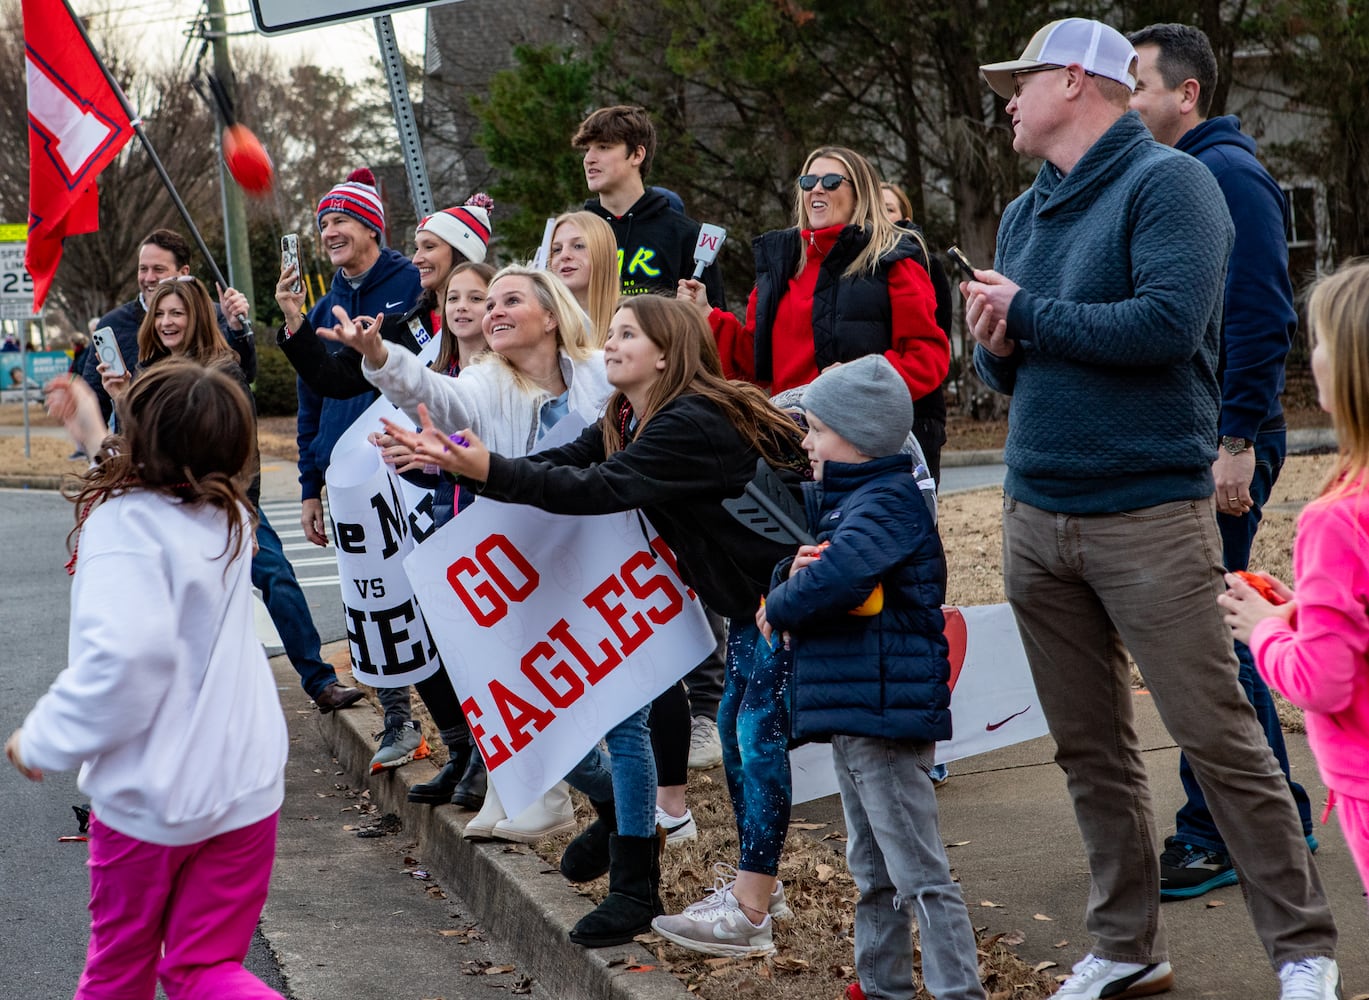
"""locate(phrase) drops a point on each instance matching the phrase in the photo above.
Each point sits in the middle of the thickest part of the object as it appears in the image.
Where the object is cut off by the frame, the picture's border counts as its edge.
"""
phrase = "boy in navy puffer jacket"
(876, 684)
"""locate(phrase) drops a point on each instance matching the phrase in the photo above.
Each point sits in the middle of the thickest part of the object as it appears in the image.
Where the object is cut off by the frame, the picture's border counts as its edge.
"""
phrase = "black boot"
(439, 790)
(586, 857)
(634, 881)
(470, 790)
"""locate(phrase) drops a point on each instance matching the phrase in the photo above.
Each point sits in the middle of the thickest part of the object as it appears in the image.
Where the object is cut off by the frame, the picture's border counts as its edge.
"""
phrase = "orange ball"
(248, 162)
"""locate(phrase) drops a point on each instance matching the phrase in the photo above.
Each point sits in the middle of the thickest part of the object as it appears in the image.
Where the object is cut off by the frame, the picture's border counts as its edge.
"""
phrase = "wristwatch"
(1235, 445)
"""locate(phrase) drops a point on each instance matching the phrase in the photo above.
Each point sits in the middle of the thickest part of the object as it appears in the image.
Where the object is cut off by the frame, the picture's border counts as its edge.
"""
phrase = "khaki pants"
(1084, 586)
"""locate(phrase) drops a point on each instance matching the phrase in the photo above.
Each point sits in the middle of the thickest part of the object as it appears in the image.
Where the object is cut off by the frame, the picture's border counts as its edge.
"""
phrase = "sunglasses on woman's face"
(829, 182)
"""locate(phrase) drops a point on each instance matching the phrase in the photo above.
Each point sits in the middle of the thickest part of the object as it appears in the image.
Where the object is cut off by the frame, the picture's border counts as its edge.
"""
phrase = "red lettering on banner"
(498, 589)
(594, 672)
(642, 589)
(494, 752)
(485, 616)
(484, 553)
(613, 614)
(574, 687)
(518, 715)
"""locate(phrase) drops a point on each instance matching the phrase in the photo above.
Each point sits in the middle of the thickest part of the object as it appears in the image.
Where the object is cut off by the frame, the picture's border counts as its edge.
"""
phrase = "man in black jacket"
(655, 242)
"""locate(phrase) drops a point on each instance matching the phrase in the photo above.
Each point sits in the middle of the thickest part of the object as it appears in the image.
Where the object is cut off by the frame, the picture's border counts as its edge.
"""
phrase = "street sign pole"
(409, 142)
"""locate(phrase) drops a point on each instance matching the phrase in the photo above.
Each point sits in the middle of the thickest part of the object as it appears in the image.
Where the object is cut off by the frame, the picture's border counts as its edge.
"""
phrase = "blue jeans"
(1193, 822)
(895, 854)
(273, 575)
(753, 726)
(626, 775)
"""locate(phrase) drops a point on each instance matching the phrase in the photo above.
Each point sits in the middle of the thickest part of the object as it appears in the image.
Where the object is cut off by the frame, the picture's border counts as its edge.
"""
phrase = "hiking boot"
(1096, 978)
(399, 745)
(1187, 871)
(677, 829)
(718, 927)
(725, 876)
(705, 748)
(1310, 979)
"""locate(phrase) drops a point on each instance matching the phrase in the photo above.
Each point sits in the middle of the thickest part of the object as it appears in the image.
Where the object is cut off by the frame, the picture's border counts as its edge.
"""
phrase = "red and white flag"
(77, 125)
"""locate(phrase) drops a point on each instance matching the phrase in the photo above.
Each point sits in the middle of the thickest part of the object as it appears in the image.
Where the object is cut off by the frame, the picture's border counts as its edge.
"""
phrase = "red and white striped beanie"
(465, 228)
(356, 196)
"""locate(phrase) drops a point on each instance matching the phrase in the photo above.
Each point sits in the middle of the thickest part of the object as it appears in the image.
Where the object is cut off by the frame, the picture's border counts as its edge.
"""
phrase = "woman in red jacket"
(844, 282)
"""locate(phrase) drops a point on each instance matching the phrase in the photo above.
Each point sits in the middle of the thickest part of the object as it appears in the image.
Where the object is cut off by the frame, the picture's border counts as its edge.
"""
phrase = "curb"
(511, 891)
(30, 482)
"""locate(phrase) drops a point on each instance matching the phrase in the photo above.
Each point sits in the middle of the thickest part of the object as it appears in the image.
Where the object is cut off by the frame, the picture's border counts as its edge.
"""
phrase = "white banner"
(993, 698)
(553, 629)
(373, 531)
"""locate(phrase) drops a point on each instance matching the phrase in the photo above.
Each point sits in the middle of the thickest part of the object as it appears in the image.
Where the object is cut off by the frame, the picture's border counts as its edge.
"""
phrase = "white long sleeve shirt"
(167, 703)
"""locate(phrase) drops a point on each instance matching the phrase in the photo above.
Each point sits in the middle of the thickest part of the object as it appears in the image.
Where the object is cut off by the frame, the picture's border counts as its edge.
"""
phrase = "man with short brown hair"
(1102, 319)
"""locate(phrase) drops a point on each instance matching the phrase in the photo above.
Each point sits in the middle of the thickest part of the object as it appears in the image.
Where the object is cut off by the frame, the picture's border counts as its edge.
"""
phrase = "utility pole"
(234, 209)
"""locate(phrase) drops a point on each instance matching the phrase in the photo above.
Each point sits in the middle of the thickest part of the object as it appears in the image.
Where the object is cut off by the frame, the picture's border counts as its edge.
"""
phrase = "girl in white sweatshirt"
(167, 704)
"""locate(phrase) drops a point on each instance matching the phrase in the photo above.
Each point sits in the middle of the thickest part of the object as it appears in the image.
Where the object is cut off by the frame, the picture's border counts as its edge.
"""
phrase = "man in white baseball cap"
(1102, 318)
(1092, 45)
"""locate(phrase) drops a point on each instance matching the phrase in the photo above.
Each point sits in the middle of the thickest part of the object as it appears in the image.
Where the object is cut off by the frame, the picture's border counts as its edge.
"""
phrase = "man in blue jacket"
(1102, 319)
(370, 279)
(1176, 78)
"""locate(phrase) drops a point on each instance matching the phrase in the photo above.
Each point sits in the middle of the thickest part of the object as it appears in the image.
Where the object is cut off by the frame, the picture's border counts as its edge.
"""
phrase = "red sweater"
(918, 349)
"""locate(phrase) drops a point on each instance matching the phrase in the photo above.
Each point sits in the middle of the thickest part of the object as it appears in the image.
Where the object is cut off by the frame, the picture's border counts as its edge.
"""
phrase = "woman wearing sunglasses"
(844, 282)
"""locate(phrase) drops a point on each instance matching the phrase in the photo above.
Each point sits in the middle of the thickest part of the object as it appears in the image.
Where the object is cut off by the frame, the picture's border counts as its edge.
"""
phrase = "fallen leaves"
(987, 904)
(1042, 916)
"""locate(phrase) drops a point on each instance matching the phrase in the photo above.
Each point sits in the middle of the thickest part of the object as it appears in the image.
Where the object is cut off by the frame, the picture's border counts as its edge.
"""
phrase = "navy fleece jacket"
(1122, 265)
(1259, 319)
(390, 285)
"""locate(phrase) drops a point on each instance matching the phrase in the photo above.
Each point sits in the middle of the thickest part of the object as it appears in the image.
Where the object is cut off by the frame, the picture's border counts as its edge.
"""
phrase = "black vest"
(851, 314)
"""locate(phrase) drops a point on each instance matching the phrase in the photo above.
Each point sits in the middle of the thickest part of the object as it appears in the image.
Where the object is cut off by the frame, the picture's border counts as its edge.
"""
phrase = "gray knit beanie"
(866, 402)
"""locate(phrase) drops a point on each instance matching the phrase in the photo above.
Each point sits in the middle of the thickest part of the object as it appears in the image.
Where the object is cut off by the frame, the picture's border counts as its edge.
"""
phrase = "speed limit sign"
(16, 286)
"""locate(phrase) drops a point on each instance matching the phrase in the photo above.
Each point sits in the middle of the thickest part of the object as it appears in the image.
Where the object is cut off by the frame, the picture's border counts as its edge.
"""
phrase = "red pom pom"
(247, 161)
(362, 176)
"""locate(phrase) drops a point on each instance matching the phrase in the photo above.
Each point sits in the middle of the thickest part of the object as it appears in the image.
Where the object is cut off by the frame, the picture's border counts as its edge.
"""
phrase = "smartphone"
(107, 350)
(961, 262)
(289, 257)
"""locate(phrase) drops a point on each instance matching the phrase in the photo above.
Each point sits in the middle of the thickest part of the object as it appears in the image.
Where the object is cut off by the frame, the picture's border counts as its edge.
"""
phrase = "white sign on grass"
(275, 17)
(553, 630)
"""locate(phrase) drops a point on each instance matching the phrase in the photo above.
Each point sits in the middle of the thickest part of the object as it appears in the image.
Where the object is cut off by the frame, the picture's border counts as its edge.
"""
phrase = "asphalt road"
(346, 917)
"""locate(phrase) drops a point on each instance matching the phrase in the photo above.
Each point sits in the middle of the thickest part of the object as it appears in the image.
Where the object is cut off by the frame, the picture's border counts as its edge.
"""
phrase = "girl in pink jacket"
(1314, 648)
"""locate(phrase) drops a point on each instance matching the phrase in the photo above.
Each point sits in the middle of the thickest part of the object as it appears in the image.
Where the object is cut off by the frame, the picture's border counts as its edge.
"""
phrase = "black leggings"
(670, 735)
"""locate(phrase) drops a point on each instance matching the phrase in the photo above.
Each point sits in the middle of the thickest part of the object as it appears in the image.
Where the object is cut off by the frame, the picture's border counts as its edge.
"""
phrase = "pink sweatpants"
(184, 915)
(1354, 823)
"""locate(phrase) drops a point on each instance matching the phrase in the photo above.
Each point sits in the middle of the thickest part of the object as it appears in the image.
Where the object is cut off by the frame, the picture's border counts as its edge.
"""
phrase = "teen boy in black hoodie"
(655, 242)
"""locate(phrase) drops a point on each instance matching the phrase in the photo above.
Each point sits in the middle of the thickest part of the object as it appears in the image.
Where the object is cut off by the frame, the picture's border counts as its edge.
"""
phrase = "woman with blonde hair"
(540, 367)
(675, 441)
(584, 255)
(842, 283)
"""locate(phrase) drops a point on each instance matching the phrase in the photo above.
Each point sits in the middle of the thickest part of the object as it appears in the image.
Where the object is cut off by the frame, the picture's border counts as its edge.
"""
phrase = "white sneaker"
(719, 929)
(548, 816)
(1096, 977)
(1310, 979)
(677, 829)
(725, 877)
(705, 748)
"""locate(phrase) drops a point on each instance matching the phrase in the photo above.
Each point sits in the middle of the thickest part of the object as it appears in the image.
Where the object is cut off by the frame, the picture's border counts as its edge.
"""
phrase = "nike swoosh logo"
(990, 727)
(391, 305)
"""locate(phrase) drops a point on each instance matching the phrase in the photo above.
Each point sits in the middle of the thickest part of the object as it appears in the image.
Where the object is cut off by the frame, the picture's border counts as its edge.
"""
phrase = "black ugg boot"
(439, 790)
(586, 857)
(634, 882)
(470, 791)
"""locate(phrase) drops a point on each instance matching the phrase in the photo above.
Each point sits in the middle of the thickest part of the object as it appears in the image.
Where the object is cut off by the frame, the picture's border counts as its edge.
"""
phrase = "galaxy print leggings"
(753, 724)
